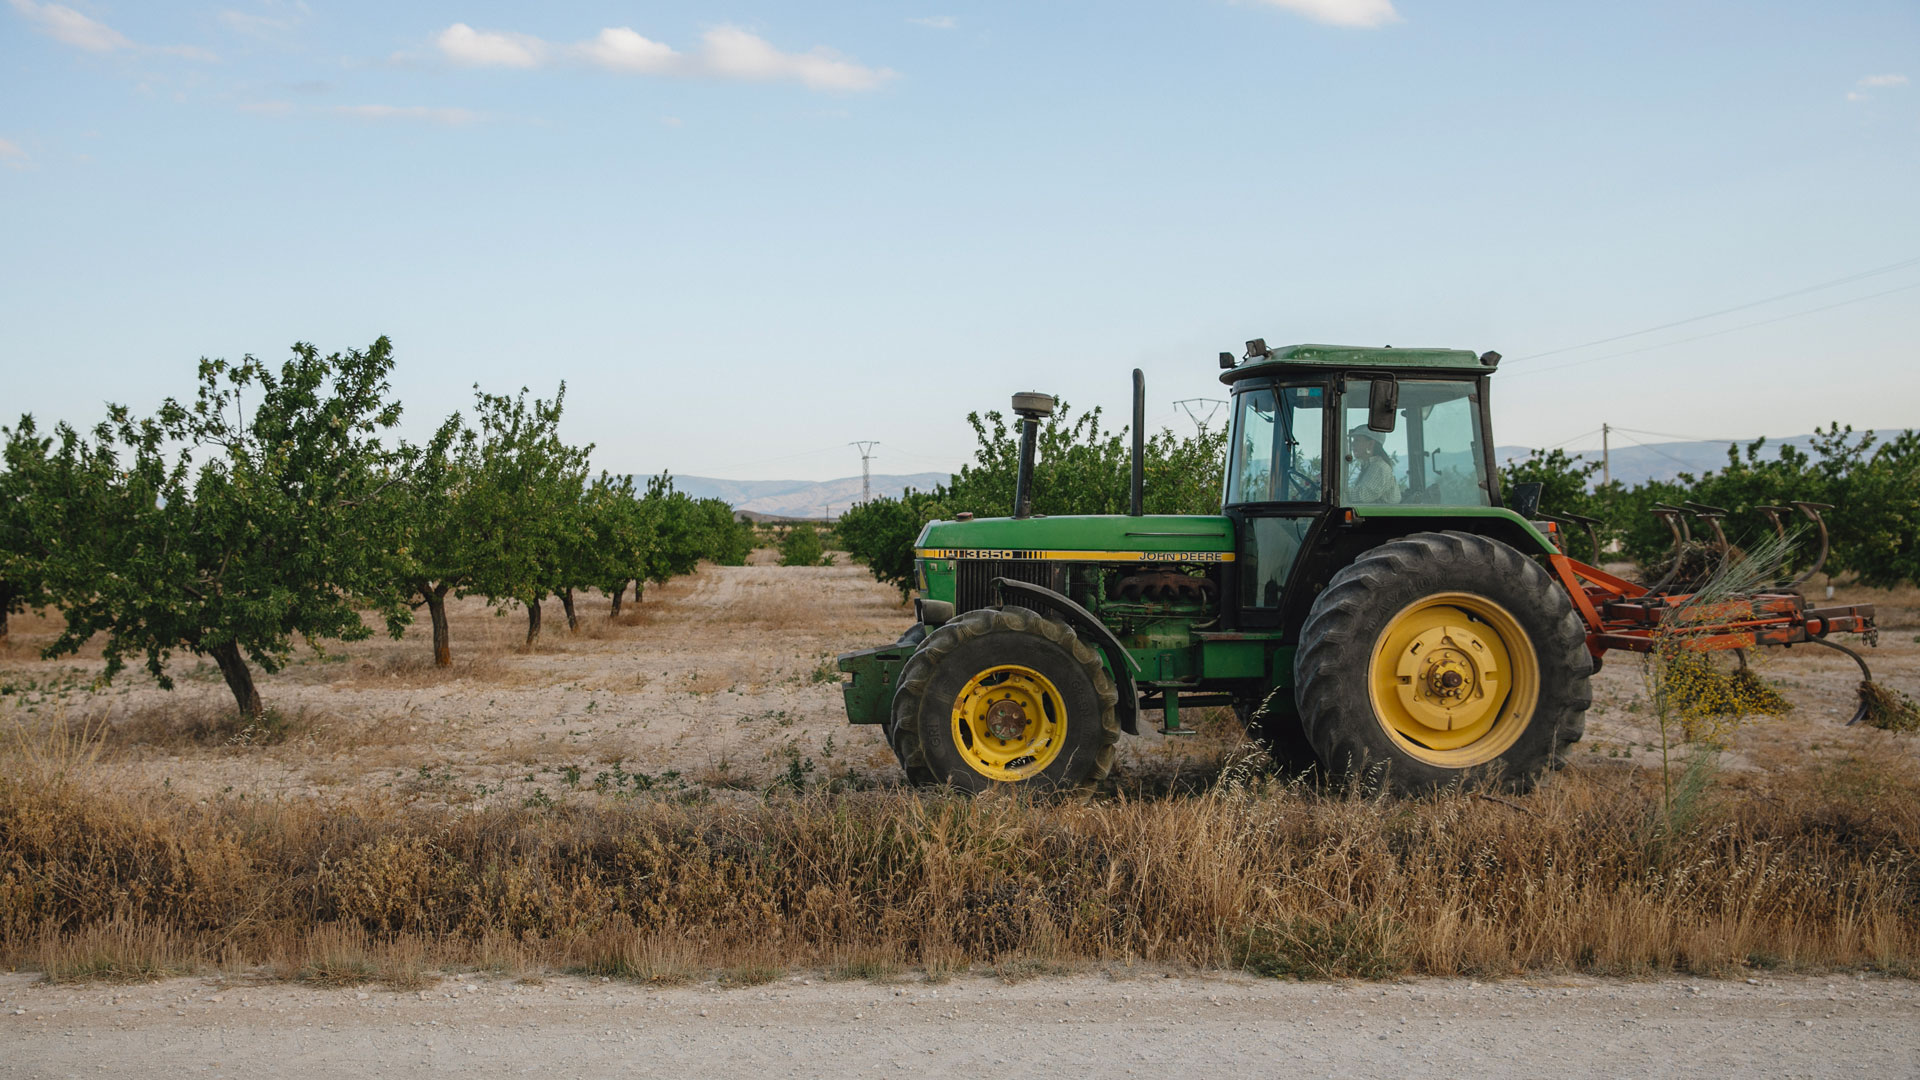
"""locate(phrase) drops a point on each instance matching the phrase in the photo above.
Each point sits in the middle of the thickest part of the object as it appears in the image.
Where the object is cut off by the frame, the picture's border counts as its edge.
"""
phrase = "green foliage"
(208, 529)
(1874, 485)
(23, 550)
(528, 486)
(728, 541)
(881, 532)
(607, 548)
(801, 546)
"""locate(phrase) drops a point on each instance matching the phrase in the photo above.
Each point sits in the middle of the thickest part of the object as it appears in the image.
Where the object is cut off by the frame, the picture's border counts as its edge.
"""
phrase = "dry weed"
(1823, 871)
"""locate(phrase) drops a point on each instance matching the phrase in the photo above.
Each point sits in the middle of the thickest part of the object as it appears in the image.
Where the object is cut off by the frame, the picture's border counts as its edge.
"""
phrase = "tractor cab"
(1323, 436)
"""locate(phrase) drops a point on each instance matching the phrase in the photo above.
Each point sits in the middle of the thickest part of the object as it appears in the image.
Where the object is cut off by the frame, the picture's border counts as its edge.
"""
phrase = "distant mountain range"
(802, 498)
(1637, 463)
(1633, 463)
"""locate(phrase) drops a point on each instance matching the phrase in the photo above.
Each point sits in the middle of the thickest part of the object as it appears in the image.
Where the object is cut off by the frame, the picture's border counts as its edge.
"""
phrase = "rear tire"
(1443, 658)
(915, 634)
(1023, 668)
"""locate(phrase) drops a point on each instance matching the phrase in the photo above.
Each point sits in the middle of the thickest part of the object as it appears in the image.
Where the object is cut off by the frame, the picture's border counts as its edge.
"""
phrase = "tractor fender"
(1120, 663)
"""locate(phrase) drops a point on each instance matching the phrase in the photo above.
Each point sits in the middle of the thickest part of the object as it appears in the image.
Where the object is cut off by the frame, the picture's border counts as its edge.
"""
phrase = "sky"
(746, 233)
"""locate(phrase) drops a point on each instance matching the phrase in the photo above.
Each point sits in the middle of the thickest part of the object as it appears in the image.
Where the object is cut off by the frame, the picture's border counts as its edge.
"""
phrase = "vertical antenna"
(866, 470)
(1606, 455)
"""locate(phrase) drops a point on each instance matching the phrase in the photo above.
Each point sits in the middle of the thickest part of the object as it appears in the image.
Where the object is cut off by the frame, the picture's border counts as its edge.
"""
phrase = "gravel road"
(1106, 1025)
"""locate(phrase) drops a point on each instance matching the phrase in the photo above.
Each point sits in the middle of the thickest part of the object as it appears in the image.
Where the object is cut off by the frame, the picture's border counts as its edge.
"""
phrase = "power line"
(1728, 311)
(1662, 453)
(1671, 435)
(1576, 438)
(1713, 333)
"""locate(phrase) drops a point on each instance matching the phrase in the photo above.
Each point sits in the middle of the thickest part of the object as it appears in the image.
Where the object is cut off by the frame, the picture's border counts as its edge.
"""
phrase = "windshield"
(1276, 444)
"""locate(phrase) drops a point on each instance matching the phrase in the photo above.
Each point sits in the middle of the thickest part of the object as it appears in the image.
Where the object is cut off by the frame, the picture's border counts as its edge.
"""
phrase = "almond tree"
(527, 482)
(433, 524)
(221, 531)
(611, 547)
(23, 549)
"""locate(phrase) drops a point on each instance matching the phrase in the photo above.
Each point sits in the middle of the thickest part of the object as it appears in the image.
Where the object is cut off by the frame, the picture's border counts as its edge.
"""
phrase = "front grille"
(973, 579)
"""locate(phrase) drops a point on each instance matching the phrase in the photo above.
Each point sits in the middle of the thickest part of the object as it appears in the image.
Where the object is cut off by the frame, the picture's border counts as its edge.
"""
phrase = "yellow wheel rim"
(1454, 680)
(1009, 722)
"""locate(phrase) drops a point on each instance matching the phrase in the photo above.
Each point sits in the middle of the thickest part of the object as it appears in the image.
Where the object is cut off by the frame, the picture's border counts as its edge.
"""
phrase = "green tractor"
(1368, 600)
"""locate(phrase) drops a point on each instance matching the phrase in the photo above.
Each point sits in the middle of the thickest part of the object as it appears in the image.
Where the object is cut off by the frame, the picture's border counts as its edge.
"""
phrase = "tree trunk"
(533, 621)
(619, 592)
(6, 607)
(566, 602)
(239, 679)
(442, 642)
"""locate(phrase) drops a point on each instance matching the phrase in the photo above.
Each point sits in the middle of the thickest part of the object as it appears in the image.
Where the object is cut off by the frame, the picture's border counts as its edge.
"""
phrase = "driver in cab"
(1371, 482)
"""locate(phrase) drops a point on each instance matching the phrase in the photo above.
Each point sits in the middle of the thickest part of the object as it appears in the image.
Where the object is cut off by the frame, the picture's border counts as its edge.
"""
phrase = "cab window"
(1434, 456)
(1277, 445)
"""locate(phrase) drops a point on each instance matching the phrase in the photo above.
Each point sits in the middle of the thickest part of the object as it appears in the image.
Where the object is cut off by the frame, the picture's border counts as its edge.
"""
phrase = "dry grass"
(1816, 871)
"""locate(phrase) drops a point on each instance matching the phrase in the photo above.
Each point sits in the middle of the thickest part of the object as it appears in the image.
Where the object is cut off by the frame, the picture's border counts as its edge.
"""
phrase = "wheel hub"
(1448, 677)
(1006, 719)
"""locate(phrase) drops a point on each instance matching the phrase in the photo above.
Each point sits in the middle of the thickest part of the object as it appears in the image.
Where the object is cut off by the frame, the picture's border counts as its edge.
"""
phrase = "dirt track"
(1144, 1025)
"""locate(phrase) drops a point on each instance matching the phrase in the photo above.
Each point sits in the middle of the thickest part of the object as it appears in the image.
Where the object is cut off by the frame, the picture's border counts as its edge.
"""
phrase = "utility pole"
(1606, 455)
(866, 472)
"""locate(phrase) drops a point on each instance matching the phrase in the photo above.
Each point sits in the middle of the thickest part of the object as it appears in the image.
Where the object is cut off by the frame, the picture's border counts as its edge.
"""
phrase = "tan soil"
(726, 679)
(1115, 1024)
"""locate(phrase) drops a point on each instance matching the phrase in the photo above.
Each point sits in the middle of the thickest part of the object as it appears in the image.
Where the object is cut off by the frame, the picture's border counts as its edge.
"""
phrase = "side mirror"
(1382, 400)
(1525, 499)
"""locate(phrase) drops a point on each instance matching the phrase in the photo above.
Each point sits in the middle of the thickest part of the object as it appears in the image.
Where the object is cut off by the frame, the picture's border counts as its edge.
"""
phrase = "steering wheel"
(1304, 485)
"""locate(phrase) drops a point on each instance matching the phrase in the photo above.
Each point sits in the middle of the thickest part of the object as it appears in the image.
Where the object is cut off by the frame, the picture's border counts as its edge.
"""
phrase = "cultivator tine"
(1774, 518)
(1866, 676)
(1812, 510)
(1678, 526)
(1593, 535)
(1711, 515)
(1670, 513)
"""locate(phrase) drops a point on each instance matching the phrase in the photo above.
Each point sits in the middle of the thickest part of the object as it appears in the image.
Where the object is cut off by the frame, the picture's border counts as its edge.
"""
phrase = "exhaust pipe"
(1136, 506)
(1031, 409)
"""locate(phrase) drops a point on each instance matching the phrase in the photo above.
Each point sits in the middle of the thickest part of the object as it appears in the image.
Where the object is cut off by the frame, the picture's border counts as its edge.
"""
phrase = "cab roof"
(1331, 357)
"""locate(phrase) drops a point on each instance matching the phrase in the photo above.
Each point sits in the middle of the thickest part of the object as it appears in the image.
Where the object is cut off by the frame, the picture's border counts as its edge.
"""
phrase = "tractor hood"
(1093, 537)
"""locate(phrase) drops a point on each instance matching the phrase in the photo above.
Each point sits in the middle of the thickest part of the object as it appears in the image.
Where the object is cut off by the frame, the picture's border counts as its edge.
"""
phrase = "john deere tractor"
(1367, 600)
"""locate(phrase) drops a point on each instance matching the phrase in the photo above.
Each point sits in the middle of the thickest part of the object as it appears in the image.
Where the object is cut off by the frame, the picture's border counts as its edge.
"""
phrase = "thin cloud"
(70, 27)
(267, 108)
(726, 52)
(938, 22)
(734, 53)
(1363, 14)
(491, 48)
(12, 156)
(65, 25)
(619, 48)
(273, 19)
(446, 116)
(1884, 80)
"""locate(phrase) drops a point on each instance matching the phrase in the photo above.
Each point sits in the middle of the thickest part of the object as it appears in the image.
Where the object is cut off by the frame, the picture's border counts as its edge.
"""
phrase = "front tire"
(1443, 658)
(1005, 695)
